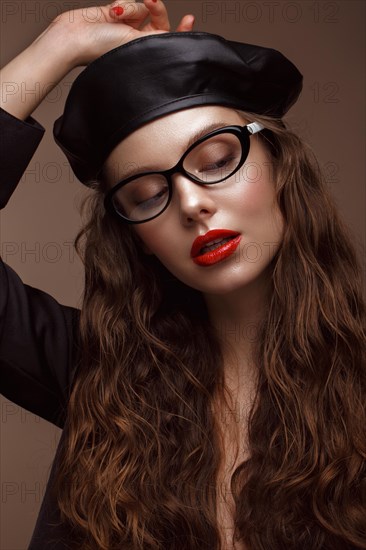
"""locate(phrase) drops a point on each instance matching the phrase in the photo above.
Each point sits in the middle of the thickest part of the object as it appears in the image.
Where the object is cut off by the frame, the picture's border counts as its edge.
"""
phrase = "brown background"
(326, 42)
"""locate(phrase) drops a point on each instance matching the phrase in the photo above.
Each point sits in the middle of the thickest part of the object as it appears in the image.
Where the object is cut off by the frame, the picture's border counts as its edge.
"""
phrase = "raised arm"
(38, 336)
(76, 38)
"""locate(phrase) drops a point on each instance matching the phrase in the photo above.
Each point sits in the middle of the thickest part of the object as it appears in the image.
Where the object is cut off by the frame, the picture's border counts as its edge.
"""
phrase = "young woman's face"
(244, 204)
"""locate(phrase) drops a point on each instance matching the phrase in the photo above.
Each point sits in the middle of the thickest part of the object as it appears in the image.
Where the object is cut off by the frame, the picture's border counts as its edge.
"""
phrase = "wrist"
(40, 67)
(56, 48)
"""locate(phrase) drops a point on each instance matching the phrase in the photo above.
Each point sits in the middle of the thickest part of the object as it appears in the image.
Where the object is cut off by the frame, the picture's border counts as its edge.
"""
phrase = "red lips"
(218, 254)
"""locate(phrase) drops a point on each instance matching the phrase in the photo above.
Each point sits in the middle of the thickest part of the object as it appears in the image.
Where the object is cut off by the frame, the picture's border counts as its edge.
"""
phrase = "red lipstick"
(208, 250)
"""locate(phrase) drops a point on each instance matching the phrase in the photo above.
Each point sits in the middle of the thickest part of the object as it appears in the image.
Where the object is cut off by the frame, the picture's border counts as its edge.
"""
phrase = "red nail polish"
(154, 0)
(118, 10)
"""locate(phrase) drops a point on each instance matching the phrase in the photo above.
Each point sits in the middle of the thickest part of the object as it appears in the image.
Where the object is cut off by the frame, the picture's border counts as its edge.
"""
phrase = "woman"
(219, 396)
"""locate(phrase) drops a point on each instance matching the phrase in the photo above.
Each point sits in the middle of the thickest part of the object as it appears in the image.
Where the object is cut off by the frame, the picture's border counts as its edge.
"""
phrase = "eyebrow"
(206, 129)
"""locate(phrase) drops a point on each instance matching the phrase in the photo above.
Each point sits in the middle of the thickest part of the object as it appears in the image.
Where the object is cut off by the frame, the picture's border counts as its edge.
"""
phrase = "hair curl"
(140, 458)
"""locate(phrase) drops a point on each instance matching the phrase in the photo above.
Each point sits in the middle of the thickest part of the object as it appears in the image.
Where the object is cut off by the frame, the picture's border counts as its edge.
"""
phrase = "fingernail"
(118, 10)
(154, 0)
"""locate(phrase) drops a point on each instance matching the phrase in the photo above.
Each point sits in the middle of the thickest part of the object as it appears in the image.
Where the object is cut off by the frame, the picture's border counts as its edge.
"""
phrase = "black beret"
(159, 74)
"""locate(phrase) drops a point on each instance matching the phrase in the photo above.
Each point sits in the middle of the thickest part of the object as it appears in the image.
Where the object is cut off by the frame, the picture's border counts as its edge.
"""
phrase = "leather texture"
(159, 74)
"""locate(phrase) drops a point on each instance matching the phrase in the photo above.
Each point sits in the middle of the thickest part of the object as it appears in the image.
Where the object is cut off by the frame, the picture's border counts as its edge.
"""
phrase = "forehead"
(159, 143)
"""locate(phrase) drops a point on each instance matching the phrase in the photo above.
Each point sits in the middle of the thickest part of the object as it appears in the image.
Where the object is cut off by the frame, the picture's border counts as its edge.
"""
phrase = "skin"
(76, 38)
(245, 202)
(235, 289)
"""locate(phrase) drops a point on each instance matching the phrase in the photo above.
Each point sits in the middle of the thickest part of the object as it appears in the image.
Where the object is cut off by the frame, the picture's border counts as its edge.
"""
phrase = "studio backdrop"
(324, 39)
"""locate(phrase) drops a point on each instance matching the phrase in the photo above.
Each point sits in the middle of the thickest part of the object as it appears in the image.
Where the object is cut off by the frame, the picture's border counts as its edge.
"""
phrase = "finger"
(186, 23)
(158, 14)
(128, 11)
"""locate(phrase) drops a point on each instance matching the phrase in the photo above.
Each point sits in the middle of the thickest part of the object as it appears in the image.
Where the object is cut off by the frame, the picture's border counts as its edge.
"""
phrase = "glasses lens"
(214, 159)
(142, 198)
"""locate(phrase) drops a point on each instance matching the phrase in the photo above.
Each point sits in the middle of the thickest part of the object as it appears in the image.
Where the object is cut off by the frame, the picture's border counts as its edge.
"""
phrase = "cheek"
(152, 240)
(254, 193)
(257, 206)
(254, 172)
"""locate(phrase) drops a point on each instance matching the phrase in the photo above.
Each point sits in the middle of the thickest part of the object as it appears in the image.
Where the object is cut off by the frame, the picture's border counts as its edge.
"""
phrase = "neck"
(236, 316)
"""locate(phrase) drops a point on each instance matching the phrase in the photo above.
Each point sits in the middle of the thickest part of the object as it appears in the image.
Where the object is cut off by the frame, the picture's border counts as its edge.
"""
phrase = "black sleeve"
(18, 141)
(38, 336)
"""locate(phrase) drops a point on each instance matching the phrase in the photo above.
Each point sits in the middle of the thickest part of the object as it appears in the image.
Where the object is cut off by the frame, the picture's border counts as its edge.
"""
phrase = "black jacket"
(38, 337)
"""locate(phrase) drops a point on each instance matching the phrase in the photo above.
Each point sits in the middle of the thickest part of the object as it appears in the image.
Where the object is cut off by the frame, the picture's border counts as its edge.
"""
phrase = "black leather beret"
(159, 74)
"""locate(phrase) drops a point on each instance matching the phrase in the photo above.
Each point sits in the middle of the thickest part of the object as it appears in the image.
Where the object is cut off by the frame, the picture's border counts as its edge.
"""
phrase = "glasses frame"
(242, 132)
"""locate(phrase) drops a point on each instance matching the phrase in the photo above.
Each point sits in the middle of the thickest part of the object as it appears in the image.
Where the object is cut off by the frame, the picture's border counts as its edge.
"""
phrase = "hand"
(74, 38)
(89, 33)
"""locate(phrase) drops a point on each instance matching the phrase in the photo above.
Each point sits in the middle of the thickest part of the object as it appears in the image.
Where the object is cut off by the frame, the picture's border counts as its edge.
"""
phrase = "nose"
(195, 201)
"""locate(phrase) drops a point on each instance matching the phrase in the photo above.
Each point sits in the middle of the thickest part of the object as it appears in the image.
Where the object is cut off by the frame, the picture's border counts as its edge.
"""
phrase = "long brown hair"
(140, 458)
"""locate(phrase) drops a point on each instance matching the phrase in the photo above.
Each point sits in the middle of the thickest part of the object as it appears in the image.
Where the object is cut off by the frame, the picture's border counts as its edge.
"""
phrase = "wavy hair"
(141, 452)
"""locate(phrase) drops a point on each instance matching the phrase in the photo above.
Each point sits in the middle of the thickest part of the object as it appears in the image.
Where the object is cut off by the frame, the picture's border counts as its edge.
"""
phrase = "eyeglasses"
(212, 159)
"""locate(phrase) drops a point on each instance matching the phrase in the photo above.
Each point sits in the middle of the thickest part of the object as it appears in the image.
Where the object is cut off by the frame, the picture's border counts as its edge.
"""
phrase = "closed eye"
(217, 165)
(152, 201)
